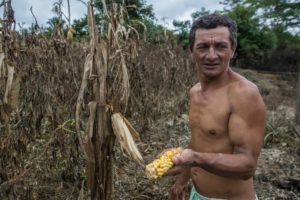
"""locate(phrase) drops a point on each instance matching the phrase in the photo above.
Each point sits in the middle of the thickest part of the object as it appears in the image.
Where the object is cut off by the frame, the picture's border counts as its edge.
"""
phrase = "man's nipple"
(212, 132)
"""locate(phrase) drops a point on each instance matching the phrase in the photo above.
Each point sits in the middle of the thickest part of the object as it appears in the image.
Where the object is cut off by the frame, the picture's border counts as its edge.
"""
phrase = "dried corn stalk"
(105, 71)
(99, 139)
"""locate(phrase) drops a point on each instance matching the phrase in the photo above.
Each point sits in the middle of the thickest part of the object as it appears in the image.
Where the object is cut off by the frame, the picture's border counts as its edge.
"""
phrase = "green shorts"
(196, 196)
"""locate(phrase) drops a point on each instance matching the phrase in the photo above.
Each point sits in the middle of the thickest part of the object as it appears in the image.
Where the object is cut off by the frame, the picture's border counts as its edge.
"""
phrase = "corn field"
(54, 94)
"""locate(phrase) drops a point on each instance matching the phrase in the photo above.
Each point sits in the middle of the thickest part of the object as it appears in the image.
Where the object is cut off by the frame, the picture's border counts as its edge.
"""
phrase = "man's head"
(214, 21)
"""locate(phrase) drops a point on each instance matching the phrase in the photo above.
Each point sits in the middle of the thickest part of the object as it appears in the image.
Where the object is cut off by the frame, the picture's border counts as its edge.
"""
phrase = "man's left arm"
(246, 131)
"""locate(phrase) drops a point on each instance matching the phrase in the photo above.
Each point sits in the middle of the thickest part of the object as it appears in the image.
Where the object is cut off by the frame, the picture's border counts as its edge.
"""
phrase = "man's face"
(212, 51)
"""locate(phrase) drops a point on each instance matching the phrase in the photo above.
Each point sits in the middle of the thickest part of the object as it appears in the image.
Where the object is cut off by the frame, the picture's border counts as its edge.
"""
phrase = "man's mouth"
(211, 65)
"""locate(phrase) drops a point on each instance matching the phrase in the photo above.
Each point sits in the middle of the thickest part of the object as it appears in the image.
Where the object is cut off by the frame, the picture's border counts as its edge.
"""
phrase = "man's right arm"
(185, 175)
(178, 190)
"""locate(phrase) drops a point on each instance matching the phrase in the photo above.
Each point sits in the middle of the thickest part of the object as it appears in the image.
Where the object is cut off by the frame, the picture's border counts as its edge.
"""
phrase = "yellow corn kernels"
(160, 166)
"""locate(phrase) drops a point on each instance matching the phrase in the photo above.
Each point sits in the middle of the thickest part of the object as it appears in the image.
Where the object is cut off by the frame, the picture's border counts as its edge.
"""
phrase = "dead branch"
(69, 13)
(7, 184)
(2, 3)
(36, 25)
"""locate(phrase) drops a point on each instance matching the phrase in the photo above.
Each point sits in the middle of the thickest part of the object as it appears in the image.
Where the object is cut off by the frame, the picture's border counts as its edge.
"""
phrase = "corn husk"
(125, 137)
(70, 33)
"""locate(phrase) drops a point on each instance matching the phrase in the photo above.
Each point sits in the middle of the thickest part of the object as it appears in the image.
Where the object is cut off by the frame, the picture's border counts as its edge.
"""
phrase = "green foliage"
(138, 14)
(263, 26)
(52, 23)
(278, 12)
(286, 40)
(182, 28)
(137, 9)
(253, 39)
(154, 31)
(80, 26)
(200, 13)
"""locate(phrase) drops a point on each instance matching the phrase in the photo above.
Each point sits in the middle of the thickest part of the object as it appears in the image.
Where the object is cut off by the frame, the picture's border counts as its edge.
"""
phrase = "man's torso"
(208, 117)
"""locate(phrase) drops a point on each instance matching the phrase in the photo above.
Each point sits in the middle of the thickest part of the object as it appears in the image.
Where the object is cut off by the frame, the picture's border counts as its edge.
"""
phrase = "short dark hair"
(213, 21)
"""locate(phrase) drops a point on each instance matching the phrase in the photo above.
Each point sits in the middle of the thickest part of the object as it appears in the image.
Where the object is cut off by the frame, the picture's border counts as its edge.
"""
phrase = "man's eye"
(222, 46)
(201, 47)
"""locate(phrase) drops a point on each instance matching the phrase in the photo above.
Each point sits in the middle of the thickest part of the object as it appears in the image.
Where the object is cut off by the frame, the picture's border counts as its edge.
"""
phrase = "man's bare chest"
(210, 114)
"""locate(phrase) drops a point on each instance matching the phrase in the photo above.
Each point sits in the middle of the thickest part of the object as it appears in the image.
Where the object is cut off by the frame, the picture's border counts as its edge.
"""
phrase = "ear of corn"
(160, 166)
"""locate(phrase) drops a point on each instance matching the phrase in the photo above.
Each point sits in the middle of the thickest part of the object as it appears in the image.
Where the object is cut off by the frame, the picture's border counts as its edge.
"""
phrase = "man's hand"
(182, 162)
(177, 192)
(176, 170)
(186, 158)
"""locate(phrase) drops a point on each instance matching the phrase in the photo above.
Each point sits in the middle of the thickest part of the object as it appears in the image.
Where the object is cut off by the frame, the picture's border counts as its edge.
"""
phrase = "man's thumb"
(176, 160)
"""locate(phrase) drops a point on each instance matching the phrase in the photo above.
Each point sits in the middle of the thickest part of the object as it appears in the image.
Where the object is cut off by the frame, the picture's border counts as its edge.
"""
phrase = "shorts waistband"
(194, 195)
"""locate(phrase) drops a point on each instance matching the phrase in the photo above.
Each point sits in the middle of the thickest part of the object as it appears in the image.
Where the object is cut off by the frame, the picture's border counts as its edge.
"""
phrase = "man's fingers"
(180, 196)
(174, 171)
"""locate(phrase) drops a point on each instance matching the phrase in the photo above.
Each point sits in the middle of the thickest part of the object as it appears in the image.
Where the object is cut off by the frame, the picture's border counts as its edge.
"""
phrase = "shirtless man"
(226, 117)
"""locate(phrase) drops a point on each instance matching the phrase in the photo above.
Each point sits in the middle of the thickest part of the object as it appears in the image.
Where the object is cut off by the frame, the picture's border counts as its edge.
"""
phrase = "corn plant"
(106, 59)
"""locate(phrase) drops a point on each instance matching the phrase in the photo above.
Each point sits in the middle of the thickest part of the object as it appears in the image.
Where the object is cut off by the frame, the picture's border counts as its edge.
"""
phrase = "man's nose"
(212, 53)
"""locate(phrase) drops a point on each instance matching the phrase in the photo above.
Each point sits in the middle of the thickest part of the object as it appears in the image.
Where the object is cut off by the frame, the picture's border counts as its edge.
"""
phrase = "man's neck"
(211, 83)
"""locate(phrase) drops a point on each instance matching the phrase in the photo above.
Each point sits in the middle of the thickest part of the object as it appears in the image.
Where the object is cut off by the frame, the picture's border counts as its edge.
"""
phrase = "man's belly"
(214, 186)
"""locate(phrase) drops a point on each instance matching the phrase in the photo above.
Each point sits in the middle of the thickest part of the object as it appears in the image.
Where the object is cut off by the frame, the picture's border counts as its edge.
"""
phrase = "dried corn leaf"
(13, 96)
(88, 145)
(87, 68)
(10, 76)
(105, 8)
(133, 132)
(125, 81)
(70, 34)
(2, 70)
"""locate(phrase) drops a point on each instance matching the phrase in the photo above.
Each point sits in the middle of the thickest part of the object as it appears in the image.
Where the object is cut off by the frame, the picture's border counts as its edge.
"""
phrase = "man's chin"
(211, 72)
(210, 68)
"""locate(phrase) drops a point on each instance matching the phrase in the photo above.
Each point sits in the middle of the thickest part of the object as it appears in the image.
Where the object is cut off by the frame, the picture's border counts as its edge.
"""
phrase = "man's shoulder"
(242, 85)
(245, 99)
(244, 91)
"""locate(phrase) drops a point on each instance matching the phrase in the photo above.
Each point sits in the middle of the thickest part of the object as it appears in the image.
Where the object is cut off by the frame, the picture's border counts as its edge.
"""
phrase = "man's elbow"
(249, 172)
(246, 176)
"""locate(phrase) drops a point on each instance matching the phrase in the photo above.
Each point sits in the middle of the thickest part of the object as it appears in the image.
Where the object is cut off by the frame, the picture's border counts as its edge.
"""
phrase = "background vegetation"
(268, 34)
